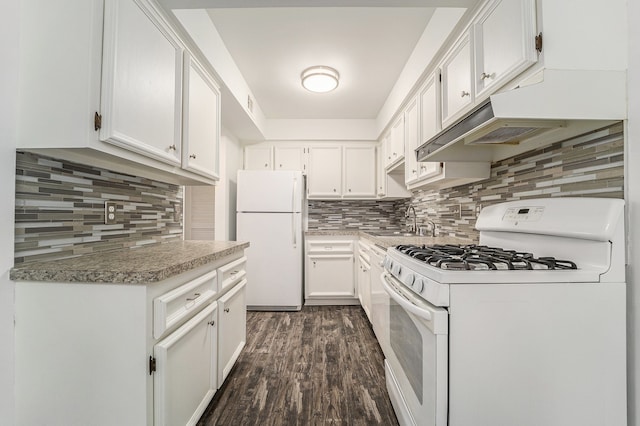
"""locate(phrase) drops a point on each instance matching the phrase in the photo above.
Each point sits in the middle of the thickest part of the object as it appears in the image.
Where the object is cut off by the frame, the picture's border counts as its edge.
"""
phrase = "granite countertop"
(130, 266)
(391, 240)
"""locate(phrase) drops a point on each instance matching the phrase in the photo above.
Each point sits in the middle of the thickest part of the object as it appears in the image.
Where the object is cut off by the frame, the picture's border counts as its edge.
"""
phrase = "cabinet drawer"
(319, 246)
(173, 307)
(231, 273)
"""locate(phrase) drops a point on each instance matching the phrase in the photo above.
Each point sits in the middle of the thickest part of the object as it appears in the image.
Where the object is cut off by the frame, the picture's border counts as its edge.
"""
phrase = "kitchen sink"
(392, 234)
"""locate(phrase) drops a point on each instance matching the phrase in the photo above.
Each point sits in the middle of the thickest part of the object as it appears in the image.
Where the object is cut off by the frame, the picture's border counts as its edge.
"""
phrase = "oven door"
(416, 367)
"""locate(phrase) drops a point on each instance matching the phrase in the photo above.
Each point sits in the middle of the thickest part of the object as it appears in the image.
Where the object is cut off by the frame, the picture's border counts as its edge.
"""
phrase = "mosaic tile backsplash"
(352, 215)
(591, 165)
(60, 209)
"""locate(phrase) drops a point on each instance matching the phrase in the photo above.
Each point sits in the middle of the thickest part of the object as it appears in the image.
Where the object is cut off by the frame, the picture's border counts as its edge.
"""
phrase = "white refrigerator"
(270, 206)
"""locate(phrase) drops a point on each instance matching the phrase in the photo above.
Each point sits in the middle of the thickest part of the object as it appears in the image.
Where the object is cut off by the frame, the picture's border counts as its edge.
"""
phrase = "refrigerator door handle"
(293, 228)
(293, 194)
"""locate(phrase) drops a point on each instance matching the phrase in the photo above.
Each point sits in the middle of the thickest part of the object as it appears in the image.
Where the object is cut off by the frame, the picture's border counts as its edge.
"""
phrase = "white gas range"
(525, 328)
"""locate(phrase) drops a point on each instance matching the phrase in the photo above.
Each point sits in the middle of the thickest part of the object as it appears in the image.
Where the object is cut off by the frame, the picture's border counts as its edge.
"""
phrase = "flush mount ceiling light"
(320, 79)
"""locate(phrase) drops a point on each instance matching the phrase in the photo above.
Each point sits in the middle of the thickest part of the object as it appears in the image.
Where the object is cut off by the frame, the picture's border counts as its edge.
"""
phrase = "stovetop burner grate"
(479, 257)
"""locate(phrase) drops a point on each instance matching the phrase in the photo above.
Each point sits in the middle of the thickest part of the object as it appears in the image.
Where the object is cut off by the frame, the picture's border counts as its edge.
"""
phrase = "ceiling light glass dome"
(320, 79)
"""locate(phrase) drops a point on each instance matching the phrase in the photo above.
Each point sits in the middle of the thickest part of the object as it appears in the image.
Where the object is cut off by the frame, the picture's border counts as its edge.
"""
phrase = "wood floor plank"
(319, 366)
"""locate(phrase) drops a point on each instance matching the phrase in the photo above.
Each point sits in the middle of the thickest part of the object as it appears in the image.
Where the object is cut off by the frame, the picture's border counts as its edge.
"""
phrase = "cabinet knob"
(414, 171)
(211, 323)
(226, 310)
(485, 75)
(334, 190)
(192, 156)
(349, 189)
(266, 164)
(463, 94)
(172, 148)
(280, 165)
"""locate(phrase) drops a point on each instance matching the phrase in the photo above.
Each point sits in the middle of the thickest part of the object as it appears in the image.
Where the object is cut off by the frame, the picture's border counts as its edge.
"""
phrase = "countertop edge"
(47, 271)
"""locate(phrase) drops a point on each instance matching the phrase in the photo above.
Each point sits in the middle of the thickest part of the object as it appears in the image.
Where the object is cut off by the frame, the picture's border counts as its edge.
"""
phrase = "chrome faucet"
(414, 229)
(433, 227)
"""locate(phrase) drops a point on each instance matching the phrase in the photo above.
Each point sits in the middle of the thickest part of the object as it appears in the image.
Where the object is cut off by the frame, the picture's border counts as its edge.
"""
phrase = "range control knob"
(409, 279)
(396, 269)
(418, 285)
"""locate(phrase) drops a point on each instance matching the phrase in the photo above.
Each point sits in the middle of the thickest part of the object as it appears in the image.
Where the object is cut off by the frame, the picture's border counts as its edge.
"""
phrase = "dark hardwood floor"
(319, 366)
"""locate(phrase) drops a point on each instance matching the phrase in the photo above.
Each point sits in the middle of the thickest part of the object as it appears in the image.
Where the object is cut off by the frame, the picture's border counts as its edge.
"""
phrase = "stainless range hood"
(559, 104)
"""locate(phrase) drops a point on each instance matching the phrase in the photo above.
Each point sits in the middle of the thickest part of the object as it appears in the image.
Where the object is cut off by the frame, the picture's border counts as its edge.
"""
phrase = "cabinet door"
(457, 87)
(504, 42)
(201, 120)
(411, 140)
(258, 158)
(430, 121)
(380, 181)
(185, 379)
(430, 117)
(330, 276)
(364, 287)
(289, 158)
(232, 333)
(141, 82)
(359, 172)
(395, 143)
(325, 172)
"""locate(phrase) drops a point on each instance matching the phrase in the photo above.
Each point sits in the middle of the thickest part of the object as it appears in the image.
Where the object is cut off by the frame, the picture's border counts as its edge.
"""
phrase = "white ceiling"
(367, 41)
(368, 46)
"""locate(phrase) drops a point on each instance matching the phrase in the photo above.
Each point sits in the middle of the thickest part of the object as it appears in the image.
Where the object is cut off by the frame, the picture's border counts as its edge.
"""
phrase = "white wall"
(8, 109)
(440, 26)
(632, 191)
(230, 162)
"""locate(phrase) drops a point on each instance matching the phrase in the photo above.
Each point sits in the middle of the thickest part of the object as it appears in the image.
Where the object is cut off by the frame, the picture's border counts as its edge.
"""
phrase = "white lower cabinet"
(330, 271)
(364, 284)
(127, 354)
(233, 329)
(186, 377)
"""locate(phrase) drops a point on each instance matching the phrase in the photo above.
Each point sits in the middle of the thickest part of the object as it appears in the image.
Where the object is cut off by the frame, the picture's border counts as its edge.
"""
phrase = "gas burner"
(480, 258)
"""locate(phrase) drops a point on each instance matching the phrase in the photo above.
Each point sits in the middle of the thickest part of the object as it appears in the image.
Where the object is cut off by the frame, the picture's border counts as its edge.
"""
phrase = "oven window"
(406, 343)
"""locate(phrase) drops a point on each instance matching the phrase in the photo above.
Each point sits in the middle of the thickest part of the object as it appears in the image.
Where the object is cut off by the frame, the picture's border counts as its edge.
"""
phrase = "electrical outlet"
(457, 211)
(110, 208)
(177, 212)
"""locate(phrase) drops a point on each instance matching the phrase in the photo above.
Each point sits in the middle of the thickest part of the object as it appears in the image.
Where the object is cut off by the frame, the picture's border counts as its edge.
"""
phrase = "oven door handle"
(401, 300)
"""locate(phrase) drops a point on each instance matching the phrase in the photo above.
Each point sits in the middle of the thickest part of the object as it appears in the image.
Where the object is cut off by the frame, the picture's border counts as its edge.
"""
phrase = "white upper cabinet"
(395, 144)
(290, 158)
(201, 118)
(457, 81)
(504, 42)
(430, 121)
(359, 172)
(325, 172)
(258, 157)
(113, 92)
(411, 140)
(141, 82)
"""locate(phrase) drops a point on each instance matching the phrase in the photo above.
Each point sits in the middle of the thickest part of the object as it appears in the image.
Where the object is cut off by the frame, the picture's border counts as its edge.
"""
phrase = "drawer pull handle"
(192, 156)
(191, 299)
(211, 323)
(226, 310)
(233, 272)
